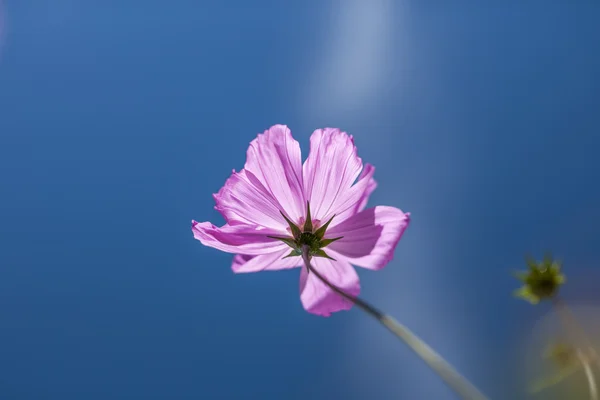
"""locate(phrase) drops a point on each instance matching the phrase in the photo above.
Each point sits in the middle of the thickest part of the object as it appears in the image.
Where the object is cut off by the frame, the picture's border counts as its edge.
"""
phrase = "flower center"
(307, 236)
(544, 286)
(311, 240)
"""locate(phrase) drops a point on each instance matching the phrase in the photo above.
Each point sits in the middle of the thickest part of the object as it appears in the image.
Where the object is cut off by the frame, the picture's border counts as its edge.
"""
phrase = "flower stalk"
(589, 374)
(453, 379)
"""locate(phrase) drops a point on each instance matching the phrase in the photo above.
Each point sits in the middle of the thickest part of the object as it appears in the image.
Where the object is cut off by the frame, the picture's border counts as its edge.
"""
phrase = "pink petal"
(367, 173)
(237, 238)
(319, 299)
(244, 200)
(329, 174)
(264, 262)
(355, 198)
(349, 204)
(370, 237)
(274, 159)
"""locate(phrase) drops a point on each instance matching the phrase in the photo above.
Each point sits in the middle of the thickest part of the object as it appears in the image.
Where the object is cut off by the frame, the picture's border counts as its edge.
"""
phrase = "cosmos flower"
(277, 205)
(542, 280)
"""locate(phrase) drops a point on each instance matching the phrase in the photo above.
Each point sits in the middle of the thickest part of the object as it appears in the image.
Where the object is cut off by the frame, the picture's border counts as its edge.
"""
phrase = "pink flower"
(266, 206)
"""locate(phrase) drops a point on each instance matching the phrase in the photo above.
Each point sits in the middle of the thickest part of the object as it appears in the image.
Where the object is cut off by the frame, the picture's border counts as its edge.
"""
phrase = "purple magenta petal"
(319, 299)
(243, 263)
(349, 204)
(244, 200)
(330, 170)
(370, 237)
(237, 238)
(274, 159)
(367, 173)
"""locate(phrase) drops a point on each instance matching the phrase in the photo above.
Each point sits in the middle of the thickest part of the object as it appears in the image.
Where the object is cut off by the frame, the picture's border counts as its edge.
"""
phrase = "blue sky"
(119, 120)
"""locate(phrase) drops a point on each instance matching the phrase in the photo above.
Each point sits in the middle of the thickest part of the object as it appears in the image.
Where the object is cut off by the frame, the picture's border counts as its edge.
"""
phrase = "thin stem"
(589, 374)
(453, 379)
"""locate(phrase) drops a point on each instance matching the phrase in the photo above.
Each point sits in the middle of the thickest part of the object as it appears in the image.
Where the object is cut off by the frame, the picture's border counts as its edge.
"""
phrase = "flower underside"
(307, 236)
(266, 204)
(541, 281)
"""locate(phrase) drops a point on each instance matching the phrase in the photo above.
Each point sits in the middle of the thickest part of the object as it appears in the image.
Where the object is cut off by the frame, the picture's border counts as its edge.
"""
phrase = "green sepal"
(293, 253)
(308, 226)
(321, 231)
(547, 262)
(321, 253)
(525, 294)
(289, 241)
(295, 230)
(326, 242)
(531, 263)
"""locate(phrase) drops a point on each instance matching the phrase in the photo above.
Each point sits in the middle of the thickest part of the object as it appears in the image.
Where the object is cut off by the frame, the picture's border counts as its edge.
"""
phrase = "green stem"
(453, 379)
(589, 374)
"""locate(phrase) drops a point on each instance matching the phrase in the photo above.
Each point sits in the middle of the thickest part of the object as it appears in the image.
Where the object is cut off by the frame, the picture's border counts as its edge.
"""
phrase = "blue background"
(119, 119)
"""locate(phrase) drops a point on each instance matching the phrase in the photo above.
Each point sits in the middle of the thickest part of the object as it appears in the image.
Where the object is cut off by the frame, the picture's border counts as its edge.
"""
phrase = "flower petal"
(243, 263)
(244, 200)
(330, 170)
(329, 174)
(319, 299)
(370, 237)
(355, 199)
(237, 238)
(367, 173)
(275, 160)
